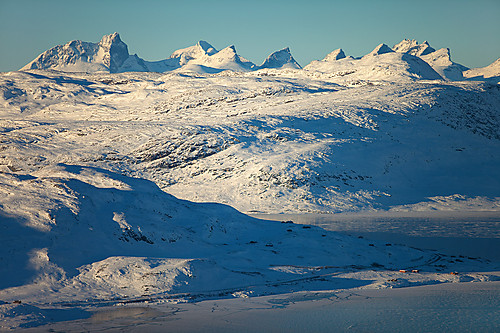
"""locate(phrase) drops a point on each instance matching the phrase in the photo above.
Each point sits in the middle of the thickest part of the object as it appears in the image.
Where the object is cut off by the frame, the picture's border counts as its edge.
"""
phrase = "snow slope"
(489, 73)
(298, 141)
(81, 236)
(440, 60)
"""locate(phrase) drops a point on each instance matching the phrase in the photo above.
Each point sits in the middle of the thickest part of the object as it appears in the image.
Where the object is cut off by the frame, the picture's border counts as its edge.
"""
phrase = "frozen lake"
(473, 234)
(459, 307)
(433, 308)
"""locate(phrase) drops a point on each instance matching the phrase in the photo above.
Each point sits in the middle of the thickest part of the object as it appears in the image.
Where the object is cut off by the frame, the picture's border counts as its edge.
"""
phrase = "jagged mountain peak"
(77, 56)
(380, 49)
(413, 47)
(110, 39)
(115, 51)
(281, 59)
(405, 45)
(335, 55)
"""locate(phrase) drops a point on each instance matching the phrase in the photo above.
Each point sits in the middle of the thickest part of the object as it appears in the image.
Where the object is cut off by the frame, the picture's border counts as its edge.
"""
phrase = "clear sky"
(311, 28)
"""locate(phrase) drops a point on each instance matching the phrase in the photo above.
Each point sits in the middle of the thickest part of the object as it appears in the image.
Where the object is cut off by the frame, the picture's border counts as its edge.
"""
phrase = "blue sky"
(312, 28)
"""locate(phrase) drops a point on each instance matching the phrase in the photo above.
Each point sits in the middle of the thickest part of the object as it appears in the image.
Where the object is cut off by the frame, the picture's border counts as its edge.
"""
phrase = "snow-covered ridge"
(111, 55)
(488, 73)
(89, 245)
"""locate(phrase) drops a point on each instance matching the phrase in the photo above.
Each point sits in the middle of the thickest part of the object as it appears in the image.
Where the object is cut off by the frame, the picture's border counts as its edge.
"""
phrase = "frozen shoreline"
(471, 234)
(458, 306)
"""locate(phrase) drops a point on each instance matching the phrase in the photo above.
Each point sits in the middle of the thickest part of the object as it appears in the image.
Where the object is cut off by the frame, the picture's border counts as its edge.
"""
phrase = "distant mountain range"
(407, 58)
(111, 55)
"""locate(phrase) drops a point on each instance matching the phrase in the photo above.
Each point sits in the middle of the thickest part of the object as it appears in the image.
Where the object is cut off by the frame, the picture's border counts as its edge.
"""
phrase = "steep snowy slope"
(440, 60)
(489, 73)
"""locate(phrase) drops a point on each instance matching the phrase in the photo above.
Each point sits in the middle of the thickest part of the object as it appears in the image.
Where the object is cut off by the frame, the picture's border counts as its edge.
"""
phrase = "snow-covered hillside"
(488, 73)
(106, 178)
(83, 237)
(269, 141)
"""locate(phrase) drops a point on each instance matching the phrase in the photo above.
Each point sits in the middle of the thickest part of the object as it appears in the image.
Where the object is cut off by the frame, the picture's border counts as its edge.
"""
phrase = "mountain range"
(407, 58)
(111, 55)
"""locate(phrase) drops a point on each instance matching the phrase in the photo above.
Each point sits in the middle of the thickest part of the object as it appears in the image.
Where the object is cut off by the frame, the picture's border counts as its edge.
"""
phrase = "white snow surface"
(105, 178)
(489, 73)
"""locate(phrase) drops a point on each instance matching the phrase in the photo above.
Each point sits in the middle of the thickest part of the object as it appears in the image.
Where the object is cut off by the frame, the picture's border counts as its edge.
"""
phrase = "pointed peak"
(229, 51)
(380, 49)
(280, 59)
(335, 55)
(110, 39)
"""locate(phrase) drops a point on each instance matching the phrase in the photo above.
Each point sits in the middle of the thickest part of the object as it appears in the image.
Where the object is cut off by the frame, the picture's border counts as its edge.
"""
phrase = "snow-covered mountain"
(489, 73)
(281, 59)
(335, 55)
(412, 47)
(373, 65)
(111, 55)
(380, 49)
(225, 59)
(439, 60)
(380, 64)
